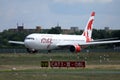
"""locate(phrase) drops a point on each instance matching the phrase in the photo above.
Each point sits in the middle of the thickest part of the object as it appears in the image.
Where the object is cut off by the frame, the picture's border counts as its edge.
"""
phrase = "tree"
(55, 30)
(116, 33)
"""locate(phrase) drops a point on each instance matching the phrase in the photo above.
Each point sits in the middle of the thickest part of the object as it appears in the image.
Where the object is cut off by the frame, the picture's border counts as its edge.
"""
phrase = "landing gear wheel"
(49, 51)
(31, 50)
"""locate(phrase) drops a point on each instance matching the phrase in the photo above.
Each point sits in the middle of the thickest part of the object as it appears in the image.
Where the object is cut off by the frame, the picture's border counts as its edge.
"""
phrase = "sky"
(68, 13)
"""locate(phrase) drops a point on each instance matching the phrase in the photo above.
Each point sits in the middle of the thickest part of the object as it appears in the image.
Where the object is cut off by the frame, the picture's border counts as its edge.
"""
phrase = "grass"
(35, 59)
(60, 74)
(99, 66)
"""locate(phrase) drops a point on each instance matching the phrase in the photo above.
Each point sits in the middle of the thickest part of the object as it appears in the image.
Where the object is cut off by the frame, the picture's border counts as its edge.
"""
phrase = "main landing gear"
(35, 51)
(31, 50)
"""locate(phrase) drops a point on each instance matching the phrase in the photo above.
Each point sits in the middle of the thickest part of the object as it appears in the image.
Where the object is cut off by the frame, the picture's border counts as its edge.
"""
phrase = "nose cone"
(29, 41)
(30, 44)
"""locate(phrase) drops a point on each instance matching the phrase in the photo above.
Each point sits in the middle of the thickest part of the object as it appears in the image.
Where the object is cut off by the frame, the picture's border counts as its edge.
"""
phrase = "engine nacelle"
(75, 48)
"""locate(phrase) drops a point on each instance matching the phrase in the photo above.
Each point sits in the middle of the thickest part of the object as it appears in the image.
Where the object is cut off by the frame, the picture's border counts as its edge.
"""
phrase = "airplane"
(75, 43)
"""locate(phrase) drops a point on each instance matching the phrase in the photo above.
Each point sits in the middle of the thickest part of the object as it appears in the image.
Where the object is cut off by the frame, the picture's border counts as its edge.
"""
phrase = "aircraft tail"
(88, 29)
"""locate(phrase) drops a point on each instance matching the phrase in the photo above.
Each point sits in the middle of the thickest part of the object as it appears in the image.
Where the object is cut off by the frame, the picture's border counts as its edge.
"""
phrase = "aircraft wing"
(88, 43)
(16, 42)
(100, 42)
(105, 39)
(65, 44)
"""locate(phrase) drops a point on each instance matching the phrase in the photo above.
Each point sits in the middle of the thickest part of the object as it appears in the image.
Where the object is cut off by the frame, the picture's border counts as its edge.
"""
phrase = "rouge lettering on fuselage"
(46, 40)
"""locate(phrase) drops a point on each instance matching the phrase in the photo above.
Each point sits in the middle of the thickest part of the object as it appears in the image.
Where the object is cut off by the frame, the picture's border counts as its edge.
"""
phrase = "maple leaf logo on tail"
(88, 29)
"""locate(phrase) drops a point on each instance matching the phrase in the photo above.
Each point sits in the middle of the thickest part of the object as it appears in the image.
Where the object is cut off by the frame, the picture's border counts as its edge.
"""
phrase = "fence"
(58, 51)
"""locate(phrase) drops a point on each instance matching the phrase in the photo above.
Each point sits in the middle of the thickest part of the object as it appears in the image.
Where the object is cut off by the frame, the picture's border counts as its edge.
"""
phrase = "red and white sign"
(67, 63)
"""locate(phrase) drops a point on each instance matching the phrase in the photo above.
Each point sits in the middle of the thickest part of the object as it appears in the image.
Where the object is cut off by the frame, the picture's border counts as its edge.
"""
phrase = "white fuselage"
(51, 41)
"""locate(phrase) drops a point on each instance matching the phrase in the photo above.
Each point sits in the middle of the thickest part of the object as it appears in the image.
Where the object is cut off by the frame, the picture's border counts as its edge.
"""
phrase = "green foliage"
(101, 34)
(115, 33)
(54, 30)
(78, 32)
(5, 36)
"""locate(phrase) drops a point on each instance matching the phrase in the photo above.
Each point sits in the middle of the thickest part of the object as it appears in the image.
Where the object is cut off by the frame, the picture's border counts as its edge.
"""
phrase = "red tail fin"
(88, 29)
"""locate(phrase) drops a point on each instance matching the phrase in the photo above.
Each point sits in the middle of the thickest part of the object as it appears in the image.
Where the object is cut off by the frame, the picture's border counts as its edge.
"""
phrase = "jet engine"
(75, 48)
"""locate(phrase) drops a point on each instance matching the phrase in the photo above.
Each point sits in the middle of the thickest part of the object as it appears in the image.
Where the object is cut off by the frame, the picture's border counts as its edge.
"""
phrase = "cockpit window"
(30, 38)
